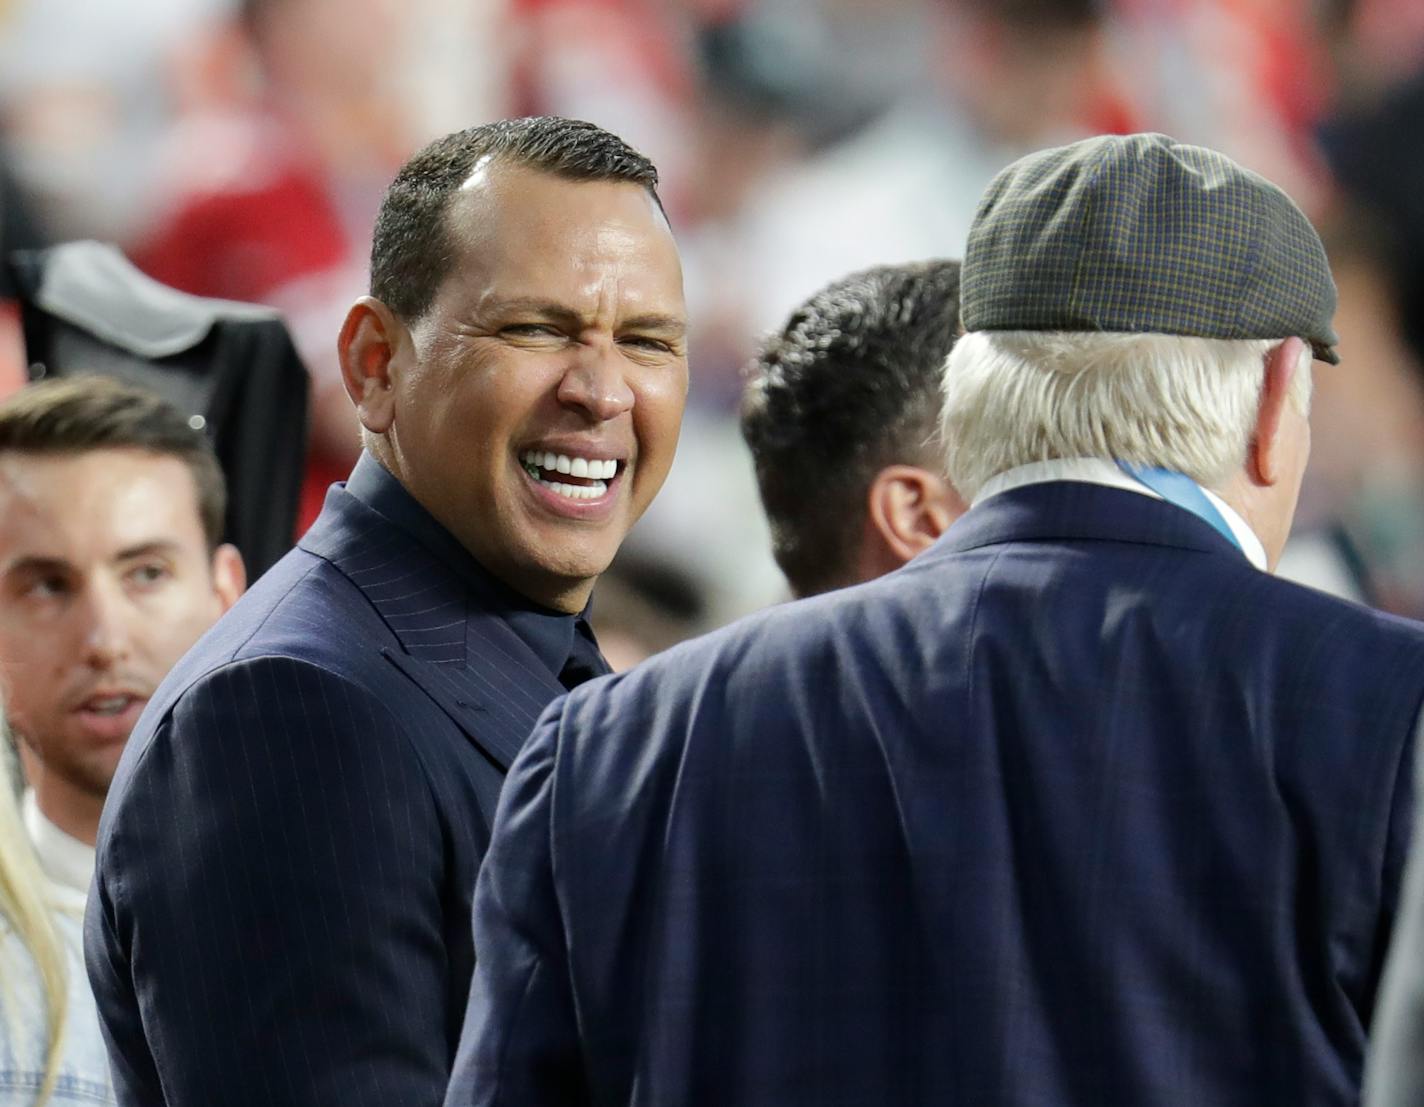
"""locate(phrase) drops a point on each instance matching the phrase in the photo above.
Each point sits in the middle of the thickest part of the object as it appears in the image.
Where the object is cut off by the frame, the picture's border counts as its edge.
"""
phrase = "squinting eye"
(536, 330)
(647, 343)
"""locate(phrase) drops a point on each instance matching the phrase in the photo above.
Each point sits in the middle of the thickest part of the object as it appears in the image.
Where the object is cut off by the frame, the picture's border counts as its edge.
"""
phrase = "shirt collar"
(550, 634)
(68, 862)
(1094, 470)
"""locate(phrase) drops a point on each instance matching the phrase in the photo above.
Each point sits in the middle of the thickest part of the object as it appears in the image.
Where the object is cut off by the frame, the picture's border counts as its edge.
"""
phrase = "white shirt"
(1093, 470)
(68, 862)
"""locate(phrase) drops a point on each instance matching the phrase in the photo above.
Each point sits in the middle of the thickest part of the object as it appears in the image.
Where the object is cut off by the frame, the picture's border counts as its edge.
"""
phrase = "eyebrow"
(153, 546)
(671, 324)
(546, 309)
(38, 563)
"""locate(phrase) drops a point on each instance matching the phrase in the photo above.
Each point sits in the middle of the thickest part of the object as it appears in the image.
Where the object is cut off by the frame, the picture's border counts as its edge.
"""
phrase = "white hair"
(1187, 404)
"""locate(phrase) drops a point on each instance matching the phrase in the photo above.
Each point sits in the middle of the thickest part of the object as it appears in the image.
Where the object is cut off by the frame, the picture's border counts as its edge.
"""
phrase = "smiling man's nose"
(596, 383)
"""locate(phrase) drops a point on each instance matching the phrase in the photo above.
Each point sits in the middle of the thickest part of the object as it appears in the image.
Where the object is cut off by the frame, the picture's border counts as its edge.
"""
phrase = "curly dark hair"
(850, 385)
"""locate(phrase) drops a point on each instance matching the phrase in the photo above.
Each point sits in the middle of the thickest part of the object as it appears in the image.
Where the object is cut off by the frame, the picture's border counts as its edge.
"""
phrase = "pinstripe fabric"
(1077, 809)
(281, 908)
(1139, 233)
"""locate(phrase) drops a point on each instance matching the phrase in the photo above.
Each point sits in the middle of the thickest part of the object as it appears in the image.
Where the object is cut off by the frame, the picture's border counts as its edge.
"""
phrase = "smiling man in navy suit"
(1082, 806)
(282, 904)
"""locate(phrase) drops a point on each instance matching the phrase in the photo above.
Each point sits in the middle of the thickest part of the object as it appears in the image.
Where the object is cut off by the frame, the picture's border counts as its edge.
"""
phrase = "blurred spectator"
(111, 508)
(998, 79)
(109, 570)
(84, 102)
(51, 1051)
(19, 230)
(298, 116)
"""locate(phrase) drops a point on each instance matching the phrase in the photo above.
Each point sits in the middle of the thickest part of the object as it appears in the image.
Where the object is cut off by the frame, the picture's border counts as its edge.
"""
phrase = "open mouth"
(570, 476)
(109, 706)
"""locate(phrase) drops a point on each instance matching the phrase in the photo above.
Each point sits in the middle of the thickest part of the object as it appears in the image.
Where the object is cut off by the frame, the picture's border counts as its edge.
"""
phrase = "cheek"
(167, 626)
(30, 649)
(658, 412)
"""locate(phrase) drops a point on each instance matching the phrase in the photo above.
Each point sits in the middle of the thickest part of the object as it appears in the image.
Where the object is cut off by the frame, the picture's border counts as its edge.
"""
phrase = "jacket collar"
(1073, 510)
(466, 657)
(1094, 470)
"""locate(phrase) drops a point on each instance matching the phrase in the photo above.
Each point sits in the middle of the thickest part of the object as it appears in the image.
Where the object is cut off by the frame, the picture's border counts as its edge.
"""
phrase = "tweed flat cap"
(1140, 233)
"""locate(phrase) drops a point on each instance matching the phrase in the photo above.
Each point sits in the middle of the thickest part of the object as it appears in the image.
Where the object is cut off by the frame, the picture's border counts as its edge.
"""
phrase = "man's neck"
(73, 810)
(81, 825)
(1259, 508)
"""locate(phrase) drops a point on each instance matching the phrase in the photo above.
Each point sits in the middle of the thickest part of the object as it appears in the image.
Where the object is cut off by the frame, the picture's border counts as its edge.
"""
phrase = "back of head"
(411, 250)
(78, 414)
(850, 385)
(1119, 294)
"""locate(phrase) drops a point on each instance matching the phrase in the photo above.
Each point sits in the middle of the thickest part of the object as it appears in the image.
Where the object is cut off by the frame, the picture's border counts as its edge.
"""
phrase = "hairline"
(211, 542)
(451, 233)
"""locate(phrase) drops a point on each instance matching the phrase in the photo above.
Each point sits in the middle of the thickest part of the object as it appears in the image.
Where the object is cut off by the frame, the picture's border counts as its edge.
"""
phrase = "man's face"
(105, 581)
(539, 413)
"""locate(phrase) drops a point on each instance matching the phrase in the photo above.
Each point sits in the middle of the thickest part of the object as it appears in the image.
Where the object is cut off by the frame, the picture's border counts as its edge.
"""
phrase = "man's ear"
(370, 347)
(229, 575)
(910, 507)
(1265, 460)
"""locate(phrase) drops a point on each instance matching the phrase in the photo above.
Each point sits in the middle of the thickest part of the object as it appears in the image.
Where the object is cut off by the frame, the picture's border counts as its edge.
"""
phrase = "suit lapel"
(468, 660)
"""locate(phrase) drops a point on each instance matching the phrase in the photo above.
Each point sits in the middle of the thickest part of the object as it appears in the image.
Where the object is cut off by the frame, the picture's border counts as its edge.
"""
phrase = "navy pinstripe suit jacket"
(281, 910)
(1078, 809)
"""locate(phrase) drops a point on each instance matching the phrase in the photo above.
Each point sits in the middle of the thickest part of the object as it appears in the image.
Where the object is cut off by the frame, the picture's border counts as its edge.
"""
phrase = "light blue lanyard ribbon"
(1177, 488)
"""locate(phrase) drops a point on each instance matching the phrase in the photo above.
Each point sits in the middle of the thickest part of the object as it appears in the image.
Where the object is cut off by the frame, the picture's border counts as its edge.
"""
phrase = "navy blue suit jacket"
(281, 910)
(1078, 808)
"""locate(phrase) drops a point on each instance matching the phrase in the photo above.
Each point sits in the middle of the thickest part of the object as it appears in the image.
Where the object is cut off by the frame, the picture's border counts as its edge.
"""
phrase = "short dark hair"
(850, 385)
(412, 249)
(77, 414)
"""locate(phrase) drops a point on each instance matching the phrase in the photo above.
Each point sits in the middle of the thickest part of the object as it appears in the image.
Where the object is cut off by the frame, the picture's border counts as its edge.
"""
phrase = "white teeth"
(577, 491)
(587, 468)
(111, 705)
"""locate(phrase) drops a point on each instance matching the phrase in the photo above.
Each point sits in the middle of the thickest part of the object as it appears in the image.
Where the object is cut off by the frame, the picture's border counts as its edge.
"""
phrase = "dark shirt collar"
(550, 634)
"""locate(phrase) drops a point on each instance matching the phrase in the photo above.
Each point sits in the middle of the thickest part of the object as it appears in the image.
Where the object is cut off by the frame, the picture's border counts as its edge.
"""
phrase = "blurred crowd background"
(239, 150)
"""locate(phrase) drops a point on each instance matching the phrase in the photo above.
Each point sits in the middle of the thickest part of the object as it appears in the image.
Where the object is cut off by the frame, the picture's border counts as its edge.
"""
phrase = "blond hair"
(1187, 404)
(27, 911)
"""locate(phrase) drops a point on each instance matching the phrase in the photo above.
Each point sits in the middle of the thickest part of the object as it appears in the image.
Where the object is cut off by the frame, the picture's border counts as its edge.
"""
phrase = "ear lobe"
(1265, 461)
(369, 347)
(910, 508)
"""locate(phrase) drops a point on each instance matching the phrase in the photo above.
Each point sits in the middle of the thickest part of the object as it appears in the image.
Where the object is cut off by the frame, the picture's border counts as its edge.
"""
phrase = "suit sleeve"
(271, 899)
(520, 1044)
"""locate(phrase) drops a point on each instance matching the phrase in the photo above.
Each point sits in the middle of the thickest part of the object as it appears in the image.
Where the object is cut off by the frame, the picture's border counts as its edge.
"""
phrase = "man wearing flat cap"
(1081, 807)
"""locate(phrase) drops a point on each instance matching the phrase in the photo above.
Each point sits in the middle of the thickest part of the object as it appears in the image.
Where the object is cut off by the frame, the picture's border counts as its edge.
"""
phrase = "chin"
(575, 570)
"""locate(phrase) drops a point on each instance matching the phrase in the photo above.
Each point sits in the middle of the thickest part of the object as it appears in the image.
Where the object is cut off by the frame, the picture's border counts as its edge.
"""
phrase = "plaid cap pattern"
(1139, 233)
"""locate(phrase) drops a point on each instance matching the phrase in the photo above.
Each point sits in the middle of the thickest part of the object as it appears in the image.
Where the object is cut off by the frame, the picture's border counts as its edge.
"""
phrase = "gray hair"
(1187, 404)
